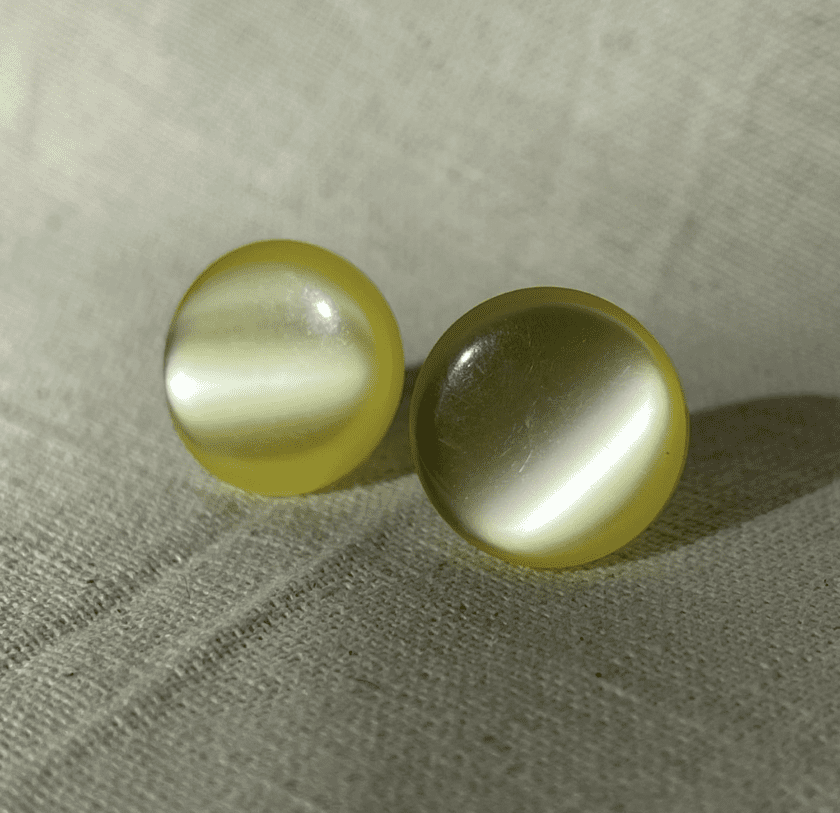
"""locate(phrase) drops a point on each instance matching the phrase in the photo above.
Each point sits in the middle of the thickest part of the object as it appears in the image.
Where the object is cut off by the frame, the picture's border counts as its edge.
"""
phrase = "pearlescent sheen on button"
(283, 368)
(548, 427)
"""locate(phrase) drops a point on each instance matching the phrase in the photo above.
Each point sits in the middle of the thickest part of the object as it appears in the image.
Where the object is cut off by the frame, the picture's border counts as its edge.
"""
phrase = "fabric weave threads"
(170, 644)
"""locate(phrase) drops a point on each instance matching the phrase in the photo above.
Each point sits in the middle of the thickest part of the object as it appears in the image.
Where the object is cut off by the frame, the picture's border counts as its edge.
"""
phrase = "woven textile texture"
(174, 645)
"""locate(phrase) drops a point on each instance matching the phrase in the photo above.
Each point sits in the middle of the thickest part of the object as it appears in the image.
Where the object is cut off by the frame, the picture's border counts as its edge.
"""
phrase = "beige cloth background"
(171, 644)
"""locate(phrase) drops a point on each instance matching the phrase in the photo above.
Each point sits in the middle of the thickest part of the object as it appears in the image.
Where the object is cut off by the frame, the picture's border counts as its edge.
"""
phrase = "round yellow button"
(548, 427)
(283, 368)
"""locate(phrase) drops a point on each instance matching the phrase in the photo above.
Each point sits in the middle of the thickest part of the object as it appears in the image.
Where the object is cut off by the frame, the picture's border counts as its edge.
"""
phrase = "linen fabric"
(173, 644)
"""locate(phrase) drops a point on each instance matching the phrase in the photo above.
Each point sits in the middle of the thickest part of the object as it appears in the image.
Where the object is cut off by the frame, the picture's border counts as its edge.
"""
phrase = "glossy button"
(548, 427)
(283, 368)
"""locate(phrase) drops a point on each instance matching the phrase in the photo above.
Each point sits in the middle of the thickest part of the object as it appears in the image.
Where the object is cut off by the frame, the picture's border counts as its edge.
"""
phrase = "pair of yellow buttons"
(547, 426)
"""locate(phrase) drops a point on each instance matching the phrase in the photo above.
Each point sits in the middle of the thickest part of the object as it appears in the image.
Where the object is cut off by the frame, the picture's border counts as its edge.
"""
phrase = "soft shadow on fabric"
(744, 460)
(392, 457)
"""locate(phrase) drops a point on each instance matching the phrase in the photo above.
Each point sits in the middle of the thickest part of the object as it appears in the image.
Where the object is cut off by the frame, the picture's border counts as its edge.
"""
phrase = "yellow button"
(548, 427)
(283, 368)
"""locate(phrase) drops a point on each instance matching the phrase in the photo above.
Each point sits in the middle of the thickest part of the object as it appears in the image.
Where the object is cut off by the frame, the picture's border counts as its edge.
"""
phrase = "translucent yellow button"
(283, 368)
(548, 427)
